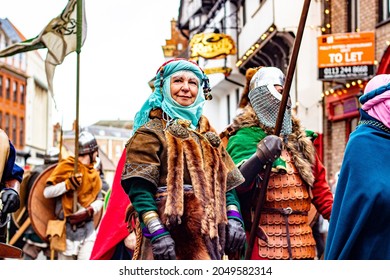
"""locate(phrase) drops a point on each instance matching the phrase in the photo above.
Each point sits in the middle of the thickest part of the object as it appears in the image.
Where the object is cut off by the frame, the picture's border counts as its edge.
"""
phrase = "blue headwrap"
(161, 97)
(367, 96)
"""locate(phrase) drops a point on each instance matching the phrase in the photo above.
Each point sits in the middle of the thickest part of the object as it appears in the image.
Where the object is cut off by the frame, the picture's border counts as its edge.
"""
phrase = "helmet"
(51, 156)
(267, 76)
(87, 143)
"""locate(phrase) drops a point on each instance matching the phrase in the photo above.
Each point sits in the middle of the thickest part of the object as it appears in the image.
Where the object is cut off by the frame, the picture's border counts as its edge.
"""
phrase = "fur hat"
(250, 72)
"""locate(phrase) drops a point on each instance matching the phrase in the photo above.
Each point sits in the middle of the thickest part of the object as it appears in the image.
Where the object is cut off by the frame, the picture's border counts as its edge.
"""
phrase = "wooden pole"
(78, 51)
(20, 231)
(279, 122)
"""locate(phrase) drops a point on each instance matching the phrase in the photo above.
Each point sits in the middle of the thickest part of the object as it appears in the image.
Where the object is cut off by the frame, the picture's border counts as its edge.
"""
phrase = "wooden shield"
(42, 209)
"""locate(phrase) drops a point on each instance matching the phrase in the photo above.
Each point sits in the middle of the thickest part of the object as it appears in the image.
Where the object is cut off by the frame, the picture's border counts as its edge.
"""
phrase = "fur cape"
(196, 218)
(208, 201)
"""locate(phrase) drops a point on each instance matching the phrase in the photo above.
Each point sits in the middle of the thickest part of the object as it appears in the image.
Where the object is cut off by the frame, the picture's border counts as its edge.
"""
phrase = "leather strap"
(286, 212)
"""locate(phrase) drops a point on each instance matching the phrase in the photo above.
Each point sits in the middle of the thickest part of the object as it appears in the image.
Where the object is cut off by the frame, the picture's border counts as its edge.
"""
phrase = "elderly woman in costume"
(297, 178)
(359, 227)
(178, 176)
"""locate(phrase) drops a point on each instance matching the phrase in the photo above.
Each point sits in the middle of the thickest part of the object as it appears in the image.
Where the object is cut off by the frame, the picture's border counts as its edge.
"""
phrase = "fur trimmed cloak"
(173, 156)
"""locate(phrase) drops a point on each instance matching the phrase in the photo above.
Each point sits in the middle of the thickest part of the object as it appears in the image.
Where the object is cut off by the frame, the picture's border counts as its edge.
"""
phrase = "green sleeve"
(232, 199)
(141, 193)
(243, 144)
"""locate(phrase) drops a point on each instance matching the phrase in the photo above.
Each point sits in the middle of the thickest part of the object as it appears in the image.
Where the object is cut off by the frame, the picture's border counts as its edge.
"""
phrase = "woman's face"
(184, 87)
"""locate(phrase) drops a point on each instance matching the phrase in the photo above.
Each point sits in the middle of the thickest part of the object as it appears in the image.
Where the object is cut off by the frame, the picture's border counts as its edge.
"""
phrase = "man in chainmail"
(297, 178)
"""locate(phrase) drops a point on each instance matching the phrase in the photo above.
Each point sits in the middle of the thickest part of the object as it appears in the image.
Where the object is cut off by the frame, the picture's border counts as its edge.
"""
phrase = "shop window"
(15, 90)
(353, 15)
(22, 94)
(343, 108)
(8, 89)
(384, 10)
(14, 124)
(21, 132)
(6, 125)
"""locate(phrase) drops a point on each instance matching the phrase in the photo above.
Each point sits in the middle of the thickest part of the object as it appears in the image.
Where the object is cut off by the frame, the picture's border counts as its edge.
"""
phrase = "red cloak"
(112, 228)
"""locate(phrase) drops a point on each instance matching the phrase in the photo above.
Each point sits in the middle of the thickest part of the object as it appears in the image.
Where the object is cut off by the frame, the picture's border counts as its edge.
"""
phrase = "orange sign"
(346, 49)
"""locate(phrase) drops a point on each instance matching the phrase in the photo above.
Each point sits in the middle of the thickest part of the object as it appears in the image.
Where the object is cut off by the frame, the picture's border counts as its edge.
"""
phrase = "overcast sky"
(121, 54)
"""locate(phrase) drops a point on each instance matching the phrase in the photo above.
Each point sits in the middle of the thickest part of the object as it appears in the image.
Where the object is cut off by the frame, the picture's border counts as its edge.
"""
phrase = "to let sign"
(346, 55)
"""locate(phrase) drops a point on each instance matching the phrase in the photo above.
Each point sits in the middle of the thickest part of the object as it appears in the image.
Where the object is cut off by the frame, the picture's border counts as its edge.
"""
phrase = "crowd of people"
(182, 190)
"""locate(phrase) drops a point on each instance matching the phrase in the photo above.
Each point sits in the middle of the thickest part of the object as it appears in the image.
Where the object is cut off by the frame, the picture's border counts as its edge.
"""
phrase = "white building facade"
(264, 33)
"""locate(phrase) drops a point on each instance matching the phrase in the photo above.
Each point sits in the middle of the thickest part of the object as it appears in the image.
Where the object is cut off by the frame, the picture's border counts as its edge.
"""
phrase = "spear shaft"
(279, 122)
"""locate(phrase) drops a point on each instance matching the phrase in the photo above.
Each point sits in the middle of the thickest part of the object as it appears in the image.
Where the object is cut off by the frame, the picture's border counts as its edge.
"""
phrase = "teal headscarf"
(161, 97)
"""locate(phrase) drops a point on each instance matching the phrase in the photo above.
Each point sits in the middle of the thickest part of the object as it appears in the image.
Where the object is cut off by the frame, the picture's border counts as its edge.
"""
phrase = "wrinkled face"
(184, 87)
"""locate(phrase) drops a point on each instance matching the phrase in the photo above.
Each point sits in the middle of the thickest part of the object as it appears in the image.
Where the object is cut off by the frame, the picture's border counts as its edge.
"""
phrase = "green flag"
(60, 37)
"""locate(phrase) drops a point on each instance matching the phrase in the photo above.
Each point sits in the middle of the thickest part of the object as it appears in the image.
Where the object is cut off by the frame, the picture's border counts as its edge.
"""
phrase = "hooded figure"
(359, 227)
(178, 176)
(297, 179)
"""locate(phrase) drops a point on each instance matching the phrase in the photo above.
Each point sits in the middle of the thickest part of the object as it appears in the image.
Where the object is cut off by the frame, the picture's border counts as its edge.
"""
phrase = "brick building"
(340, 96)
(25, 104)
(13, 81)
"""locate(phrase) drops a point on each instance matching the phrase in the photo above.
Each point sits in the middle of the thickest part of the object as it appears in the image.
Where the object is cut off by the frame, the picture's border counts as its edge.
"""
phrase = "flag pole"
(78, 50)
(279, 121)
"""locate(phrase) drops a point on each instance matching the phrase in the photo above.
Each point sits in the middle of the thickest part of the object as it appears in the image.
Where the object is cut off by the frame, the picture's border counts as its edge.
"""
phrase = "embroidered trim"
(146, 171)
(234, 178)
(376, 124)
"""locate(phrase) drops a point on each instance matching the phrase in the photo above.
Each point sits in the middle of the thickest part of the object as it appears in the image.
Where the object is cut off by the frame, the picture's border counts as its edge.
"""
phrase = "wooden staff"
(279, 122)
(76, 139)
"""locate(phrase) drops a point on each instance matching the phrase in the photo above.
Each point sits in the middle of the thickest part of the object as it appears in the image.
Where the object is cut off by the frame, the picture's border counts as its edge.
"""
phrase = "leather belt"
(162, 191)
(285, 212)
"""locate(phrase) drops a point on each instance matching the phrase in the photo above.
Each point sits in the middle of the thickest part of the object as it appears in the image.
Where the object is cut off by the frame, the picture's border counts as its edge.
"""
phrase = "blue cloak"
(359, 226)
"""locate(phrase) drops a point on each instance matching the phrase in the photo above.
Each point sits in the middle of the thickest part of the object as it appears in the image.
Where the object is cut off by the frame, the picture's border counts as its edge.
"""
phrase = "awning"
(271, 49)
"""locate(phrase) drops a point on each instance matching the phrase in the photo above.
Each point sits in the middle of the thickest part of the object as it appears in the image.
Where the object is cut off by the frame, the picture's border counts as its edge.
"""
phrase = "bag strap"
(226, 133)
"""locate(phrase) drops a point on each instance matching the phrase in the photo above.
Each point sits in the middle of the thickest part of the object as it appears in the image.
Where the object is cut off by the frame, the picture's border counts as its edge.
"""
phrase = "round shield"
(42, 209)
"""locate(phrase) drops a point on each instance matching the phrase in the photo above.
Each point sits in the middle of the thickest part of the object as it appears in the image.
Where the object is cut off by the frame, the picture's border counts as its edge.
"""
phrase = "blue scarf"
(161, 97)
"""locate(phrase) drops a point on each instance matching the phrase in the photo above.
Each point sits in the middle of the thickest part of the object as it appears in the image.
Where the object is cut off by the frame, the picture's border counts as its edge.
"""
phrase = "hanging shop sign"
(211, 46)
(346, 55)
(224, 70)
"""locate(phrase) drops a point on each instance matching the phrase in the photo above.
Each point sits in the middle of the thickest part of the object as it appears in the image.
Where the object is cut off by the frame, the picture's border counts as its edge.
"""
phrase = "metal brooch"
(213, 138)
(178, 130)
